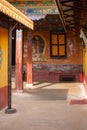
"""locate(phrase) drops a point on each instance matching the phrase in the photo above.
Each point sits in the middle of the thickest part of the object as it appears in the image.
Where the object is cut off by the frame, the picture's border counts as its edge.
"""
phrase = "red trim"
(29, 61)
(3, 97)
(81, 77)
(18, 77)
(85, 82)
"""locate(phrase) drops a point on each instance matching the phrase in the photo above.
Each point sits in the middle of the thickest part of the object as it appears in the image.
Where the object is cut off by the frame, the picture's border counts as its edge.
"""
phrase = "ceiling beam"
(67, 10)
(66, 1)
(61, 14)
(71, 6)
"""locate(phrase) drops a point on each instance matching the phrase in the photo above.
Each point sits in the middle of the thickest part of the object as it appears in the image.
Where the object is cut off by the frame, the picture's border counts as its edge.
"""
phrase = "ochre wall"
(3, 67)
(85, 61)
(4, 64)
(74, 56)
(74, 64)
(71, 65)
(85, 68)
(73, 44)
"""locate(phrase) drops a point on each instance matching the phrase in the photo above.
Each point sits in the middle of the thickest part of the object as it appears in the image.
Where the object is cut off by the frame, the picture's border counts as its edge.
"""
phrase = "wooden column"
(10, 110)
(29, 61)
(18, 70)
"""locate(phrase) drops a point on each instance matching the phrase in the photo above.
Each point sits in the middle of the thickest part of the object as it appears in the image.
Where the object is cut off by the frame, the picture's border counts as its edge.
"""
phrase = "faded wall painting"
(38, 48)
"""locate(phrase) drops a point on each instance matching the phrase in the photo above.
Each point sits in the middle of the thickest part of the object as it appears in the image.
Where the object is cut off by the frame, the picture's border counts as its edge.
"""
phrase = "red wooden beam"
(18, 72)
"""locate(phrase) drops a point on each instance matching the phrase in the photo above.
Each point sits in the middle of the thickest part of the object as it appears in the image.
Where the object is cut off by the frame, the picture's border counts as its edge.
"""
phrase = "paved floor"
(46, 107)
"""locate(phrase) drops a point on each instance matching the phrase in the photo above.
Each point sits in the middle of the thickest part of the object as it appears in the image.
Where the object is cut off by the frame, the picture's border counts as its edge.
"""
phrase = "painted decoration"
(32, 2)
(38, 46)
(38, 13)
(59, 67)
(36, 10)
(71, 48)
(51, 10)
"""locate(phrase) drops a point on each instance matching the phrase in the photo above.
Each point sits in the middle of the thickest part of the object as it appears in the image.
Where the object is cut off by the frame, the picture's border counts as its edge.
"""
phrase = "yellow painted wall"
(85, 61)
(4, 63)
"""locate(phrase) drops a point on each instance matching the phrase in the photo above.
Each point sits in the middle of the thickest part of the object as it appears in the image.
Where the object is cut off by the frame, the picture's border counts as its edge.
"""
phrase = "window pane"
(54, 39)
(61, 39)
(61, 50)
(58, 45)
(54, 51)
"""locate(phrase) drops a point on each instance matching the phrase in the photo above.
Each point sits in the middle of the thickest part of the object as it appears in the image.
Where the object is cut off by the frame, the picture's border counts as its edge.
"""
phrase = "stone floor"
(47, 107)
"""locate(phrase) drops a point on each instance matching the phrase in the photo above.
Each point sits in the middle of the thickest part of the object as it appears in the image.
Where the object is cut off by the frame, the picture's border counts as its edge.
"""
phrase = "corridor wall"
(3, 67)
(85, 67)
(55, 68)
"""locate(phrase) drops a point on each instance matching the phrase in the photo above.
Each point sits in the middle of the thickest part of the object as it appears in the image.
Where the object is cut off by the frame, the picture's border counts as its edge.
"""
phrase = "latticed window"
(58, 45)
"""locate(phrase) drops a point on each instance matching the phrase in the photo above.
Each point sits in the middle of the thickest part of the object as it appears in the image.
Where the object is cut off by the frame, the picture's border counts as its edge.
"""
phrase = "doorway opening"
(67, 78)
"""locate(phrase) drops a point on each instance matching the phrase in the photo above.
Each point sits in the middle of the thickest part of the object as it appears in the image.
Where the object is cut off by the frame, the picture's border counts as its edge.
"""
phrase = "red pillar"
(18, 71)
(29, 62)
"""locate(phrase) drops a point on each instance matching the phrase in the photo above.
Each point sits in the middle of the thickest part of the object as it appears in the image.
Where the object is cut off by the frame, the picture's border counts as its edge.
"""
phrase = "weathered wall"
(72, 64)
(3, 67)
(74, 48)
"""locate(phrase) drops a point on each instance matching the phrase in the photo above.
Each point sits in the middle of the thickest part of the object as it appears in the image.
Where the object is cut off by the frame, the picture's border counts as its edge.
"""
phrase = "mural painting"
(38, 48)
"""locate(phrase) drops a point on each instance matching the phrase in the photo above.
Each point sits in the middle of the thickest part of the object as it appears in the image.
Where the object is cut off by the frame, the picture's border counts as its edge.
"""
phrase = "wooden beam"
(67, 10)
(9, 10)
(66, 1)
(71, 6)
(61, 14)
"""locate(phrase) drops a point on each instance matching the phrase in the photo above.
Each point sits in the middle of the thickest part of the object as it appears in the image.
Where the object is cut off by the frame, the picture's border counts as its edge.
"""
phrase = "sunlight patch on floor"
(75, 90)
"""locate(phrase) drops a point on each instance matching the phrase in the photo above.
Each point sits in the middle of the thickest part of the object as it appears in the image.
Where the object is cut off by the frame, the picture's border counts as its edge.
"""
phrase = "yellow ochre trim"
(4, 64)
(11, 11)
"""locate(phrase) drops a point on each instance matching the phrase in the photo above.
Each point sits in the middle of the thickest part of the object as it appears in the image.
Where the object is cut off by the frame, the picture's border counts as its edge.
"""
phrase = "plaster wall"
(85, 68)
(73, 44)
(71, 65)
(3, 66)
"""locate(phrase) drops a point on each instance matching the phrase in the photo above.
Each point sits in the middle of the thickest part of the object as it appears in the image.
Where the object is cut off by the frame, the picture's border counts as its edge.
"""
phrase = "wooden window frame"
(57, 45)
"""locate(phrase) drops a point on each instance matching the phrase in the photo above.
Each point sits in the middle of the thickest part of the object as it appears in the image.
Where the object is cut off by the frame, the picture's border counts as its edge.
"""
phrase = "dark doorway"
(67, 78)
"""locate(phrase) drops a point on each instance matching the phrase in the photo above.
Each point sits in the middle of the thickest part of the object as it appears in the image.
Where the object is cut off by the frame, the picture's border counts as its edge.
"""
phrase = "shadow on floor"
(43, 85)
(48, 94)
